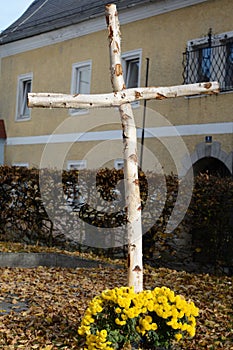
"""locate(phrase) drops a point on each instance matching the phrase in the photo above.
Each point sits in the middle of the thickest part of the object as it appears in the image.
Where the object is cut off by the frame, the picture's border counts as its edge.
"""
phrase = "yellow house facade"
(64, 49)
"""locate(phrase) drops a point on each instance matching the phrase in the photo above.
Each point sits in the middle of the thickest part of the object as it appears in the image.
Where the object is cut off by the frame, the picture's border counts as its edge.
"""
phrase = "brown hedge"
(36, 207)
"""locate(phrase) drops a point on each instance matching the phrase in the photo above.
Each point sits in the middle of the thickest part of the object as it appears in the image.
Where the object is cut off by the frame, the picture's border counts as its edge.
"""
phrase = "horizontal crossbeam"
(116, 99)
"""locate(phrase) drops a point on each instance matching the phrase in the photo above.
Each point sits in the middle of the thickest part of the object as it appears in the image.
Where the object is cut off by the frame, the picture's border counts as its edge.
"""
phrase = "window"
(24, 87)
(210, 59)
(81, 81)
(131, 62)
(118, 164)
(25, 165)
(76, 164)
(132, 70)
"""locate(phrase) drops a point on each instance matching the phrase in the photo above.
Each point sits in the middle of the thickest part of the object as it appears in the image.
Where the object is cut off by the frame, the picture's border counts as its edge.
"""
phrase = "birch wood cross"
(121, 98)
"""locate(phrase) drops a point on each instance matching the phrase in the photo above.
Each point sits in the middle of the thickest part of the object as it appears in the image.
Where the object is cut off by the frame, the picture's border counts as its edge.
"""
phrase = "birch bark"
(116, 99)
(132, 192)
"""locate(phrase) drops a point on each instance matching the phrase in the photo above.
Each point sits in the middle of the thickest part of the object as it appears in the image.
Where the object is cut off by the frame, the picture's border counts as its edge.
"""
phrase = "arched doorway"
(212, 233)
(210, 212)
(211, 166)
(210, 157)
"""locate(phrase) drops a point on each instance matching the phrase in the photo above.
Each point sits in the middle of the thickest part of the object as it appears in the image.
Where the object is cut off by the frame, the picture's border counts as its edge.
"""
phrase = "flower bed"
(119, 317)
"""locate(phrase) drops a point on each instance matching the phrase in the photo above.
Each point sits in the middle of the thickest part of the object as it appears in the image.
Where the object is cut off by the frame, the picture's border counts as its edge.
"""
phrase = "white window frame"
(75, 82)
(21, 97)
(25, 165)
(119, 163)
(216, 39)
(76, 164)
(126, 58)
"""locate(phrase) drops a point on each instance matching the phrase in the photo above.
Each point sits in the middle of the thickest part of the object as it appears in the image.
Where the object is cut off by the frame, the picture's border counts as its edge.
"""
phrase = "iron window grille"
(209, 62)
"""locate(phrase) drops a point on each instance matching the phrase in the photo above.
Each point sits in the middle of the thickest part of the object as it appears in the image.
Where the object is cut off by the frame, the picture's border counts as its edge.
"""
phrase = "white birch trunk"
(116, 99)
(132, 192)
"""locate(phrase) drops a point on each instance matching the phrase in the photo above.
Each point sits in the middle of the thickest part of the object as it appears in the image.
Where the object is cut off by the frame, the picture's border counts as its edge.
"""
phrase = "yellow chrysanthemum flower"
(178, 336)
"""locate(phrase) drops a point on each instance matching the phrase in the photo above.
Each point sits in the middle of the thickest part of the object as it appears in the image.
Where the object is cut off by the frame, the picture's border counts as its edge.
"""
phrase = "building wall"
(162, 39)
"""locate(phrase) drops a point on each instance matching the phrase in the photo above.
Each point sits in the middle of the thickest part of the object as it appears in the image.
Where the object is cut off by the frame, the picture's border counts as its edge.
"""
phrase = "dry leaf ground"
(46, 304)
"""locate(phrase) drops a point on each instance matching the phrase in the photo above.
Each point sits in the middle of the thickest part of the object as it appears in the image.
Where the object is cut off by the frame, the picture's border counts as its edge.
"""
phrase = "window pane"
(83, 80)
(229, 66)
(76, 165)
(205, 64)
(26, 89)
(119, 164)
(132, 70)
(230, 52)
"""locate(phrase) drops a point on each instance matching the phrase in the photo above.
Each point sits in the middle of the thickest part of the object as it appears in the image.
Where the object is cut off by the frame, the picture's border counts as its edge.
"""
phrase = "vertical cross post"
(132, 192)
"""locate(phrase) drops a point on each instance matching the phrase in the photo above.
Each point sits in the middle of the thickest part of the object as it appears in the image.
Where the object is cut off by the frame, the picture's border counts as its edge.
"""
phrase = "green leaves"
(115, 337)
